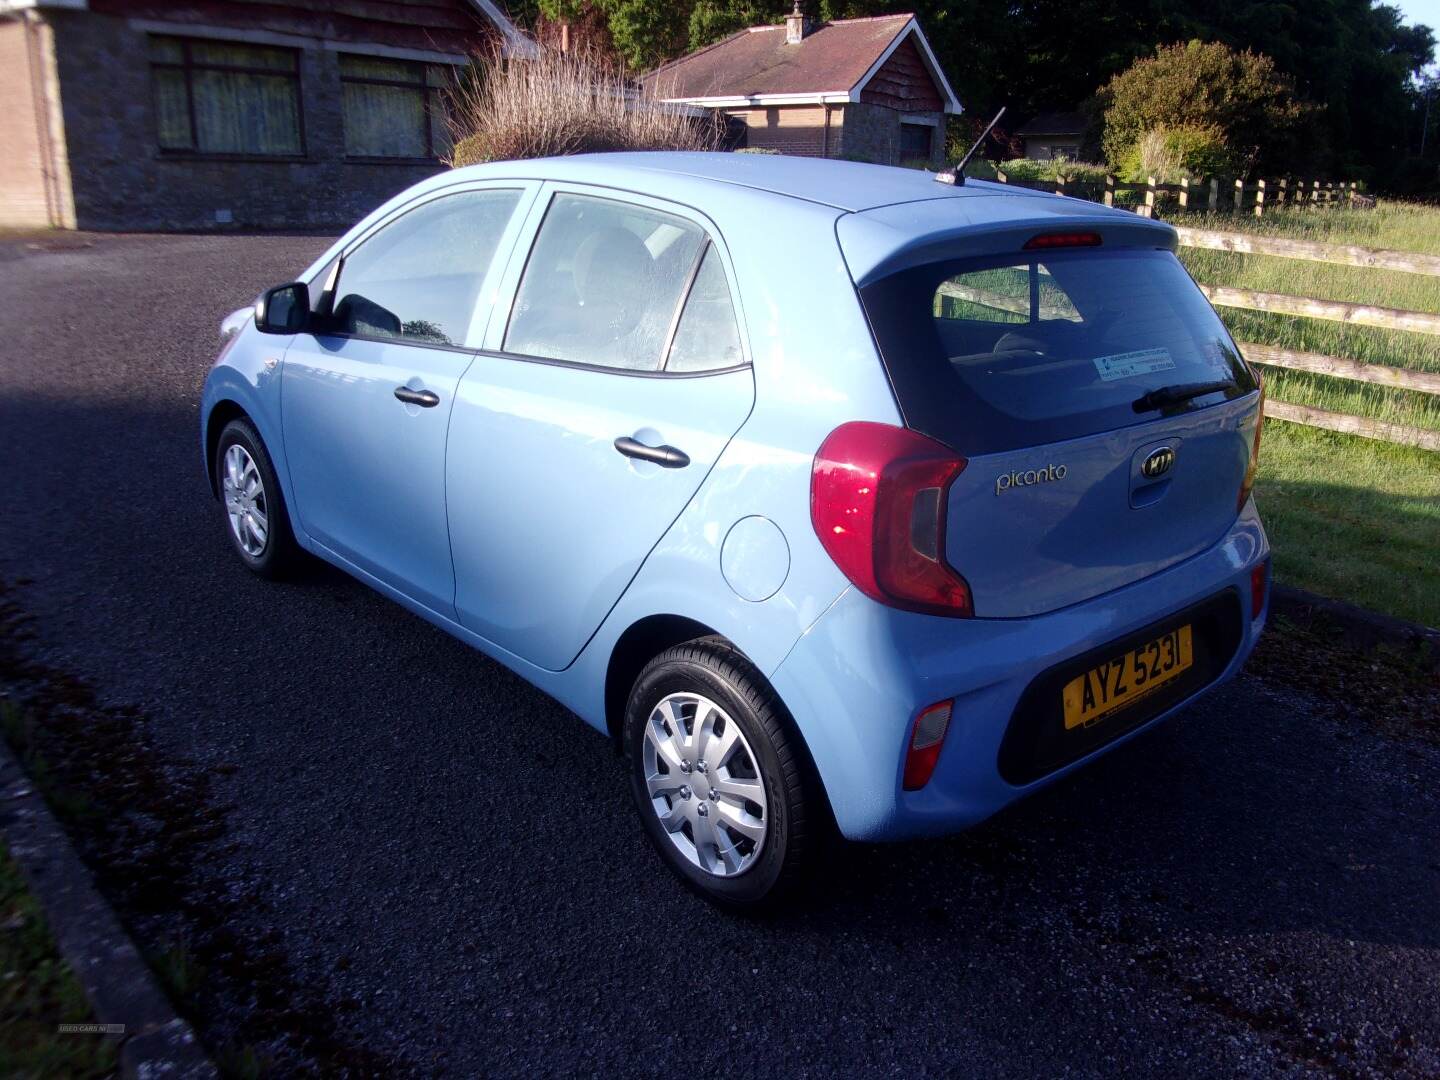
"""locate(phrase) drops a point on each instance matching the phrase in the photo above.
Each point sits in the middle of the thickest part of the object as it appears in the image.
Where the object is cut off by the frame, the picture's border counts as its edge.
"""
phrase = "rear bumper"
(857, 678)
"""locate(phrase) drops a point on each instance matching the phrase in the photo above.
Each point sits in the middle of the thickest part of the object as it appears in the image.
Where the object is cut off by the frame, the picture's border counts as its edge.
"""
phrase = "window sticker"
(1129, 364)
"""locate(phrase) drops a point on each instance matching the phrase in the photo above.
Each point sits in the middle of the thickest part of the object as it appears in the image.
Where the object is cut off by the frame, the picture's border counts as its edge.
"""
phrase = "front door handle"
(426, 399)
(667, 457)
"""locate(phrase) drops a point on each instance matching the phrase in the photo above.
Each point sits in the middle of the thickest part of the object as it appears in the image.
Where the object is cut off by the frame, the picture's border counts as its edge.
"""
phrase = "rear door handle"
(667, 457)
(426, 399)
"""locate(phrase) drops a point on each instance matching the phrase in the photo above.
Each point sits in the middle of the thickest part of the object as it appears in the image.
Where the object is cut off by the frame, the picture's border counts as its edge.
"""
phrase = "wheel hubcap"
(704, 784)
(245, 501)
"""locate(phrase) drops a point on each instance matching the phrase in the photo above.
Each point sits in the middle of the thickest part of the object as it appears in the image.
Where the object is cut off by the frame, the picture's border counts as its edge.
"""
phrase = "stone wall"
(122, 181)
(872, 133)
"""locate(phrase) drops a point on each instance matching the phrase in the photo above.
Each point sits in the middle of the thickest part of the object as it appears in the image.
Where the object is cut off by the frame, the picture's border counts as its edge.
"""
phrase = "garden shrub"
(565, 103)
(1238, 100)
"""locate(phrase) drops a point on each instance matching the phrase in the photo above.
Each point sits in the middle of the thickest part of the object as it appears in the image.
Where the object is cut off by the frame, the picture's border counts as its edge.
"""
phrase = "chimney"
(797, 25)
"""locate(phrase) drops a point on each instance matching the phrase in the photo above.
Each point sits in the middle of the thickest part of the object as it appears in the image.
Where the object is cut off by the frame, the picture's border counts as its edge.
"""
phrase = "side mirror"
(284, 309)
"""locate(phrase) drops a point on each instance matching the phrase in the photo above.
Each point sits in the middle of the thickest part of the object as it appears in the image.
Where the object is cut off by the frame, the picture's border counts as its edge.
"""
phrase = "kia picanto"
(837, 496)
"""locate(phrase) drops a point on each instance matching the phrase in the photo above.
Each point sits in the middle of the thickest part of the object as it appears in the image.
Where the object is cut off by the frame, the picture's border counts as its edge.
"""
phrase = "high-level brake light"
(1047, 241)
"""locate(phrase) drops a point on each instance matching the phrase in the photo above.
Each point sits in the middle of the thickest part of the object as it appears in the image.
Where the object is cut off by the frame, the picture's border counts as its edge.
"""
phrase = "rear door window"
(707, 338)
(1000, 354)
(603, 283)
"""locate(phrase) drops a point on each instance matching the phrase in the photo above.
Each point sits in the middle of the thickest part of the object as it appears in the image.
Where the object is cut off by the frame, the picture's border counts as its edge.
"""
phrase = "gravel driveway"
(451, 860)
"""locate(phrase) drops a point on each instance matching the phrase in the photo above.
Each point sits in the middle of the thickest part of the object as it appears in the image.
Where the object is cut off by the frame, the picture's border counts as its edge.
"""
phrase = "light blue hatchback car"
(834, 494)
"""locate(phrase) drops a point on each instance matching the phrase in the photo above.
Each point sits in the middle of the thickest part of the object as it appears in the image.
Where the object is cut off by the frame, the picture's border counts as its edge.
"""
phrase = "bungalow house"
(1053, 135)
(868, 89)
(141, 114)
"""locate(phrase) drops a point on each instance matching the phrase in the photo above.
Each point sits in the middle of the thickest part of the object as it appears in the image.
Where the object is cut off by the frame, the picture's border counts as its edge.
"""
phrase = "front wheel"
(259, 527)
(718, 776)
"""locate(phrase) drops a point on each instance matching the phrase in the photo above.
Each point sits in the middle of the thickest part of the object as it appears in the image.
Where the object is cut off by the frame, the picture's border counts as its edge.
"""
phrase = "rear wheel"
(258, 525)
(717, 776)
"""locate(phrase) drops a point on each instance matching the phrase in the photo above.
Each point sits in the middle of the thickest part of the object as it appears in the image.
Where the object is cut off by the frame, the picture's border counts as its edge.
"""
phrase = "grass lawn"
(1350, 518)
(37, 993)
(1353, 519)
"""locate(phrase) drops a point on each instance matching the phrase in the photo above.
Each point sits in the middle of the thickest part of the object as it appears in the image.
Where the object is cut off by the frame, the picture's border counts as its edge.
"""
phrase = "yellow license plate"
(1125, 679)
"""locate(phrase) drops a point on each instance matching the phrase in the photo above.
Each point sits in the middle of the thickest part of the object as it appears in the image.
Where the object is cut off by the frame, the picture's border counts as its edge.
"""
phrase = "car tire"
(256, 518)
(709, 684)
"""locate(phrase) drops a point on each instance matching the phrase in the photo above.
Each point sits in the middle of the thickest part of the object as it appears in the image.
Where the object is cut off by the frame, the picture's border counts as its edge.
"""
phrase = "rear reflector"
(1045, 241)
(926, 739)
(1258, 578)
(1248, 483)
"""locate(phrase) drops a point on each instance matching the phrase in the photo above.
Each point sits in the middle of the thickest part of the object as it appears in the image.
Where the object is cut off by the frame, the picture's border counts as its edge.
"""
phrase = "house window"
(394, 108)
(221, 97)
(915, 142)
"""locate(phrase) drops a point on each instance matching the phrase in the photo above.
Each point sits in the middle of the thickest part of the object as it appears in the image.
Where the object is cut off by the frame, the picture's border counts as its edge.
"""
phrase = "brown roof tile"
(832, 59)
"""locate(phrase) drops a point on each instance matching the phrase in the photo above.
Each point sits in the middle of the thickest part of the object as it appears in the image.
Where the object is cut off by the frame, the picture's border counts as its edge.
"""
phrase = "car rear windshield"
(997, 354)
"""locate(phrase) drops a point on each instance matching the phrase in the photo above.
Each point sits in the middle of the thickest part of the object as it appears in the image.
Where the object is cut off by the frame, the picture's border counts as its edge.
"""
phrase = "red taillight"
(926, 738)
(878, 502)
(1249, 482)
(1258, 578)
(1046, 241)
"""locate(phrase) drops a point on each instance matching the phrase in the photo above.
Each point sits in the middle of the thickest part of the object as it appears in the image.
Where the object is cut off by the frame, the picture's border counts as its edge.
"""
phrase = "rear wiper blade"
(1174, 395)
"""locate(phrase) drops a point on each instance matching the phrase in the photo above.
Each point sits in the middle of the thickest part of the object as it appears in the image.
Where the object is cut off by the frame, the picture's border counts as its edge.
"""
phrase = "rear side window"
(1000, 354)
(603, 283)
(418, 278)
(707, 337)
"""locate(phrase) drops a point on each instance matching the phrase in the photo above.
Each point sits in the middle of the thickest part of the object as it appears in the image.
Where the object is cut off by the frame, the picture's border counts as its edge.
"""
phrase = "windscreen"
(1003, 353)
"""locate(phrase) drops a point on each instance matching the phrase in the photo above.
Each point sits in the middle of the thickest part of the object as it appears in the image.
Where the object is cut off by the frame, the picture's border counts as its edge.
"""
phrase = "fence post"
(1284, 190)
(1350, 194)
(1330, 194)
(1259, 198)
(1239, 195)
(1109, 199)
(1214, 194)
(1000, 176)
(1315, 192)
(1059, 184)
(1149, 209)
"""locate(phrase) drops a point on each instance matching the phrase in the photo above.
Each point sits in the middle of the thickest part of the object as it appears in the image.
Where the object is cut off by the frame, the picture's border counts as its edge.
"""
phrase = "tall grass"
(564, 103)
(1397, 226)
(1316, 280)
(1370, 345)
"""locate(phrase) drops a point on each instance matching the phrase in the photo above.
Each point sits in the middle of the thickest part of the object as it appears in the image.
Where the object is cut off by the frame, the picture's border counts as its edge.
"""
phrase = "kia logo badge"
(1158, 463)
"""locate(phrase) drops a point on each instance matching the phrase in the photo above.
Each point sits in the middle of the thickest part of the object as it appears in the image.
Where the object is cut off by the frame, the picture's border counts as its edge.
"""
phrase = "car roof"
(843, 185)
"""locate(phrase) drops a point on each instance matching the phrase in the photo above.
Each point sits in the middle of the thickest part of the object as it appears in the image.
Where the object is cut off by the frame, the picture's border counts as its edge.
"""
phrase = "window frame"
(427, 93)
(187, 66)
(914, 125)
(515, 276)
(334, 268)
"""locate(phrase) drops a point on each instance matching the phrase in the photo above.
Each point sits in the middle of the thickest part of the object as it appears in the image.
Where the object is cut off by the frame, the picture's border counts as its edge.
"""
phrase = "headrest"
(612, 270)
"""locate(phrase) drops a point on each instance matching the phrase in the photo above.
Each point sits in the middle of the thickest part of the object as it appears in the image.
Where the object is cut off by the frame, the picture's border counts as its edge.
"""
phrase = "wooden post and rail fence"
(1252, 197)
(1419, 322)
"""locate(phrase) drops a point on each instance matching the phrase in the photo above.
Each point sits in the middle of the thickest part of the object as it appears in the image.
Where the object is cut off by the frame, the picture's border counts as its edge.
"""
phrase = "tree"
(1355, 58)
(1219, 96)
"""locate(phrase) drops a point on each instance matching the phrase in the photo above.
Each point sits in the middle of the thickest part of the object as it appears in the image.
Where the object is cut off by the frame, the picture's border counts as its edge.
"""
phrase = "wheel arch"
(641, 642)
(221, 414)
(646, 639)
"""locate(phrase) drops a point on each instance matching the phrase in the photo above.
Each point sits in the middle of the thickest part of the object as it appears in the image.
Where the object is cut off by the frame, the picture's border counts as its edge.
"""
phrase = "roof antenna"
(956, 175)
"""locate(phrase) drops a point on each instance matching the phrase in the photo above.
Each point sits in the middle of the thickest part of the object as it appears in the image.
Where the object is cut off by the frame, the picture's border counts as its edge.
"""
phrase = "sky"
(1420, 11)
